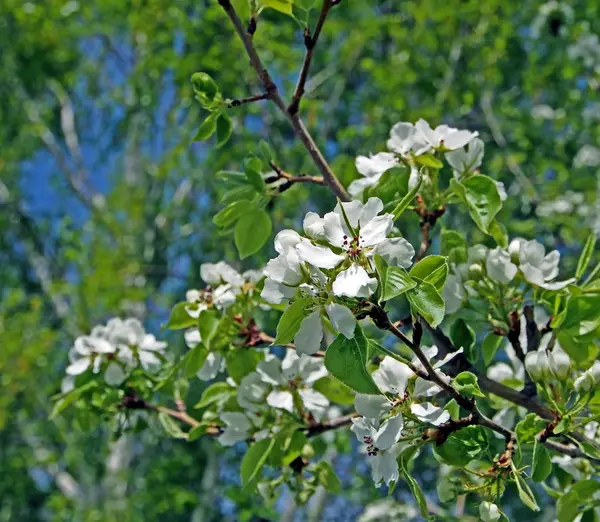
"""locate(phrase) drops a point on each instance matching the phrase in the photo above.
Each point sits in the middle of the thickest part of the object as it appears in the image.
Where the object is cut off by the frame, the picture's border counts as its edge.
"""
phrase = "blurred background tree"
(106, 202)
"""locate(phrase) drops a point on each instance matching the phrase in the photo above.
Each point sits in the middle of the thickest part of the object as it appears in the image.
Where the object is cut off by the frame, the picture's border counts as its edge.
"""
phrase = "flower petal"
(371, 406)
(308, 338)
(315, 402)
(354, 282)
(281, 399)
(79, 366)
(316, 255)
(375, 165)
(314, 226)
(371, 208)
(334, 230)
(285, 240)
(212, 366)
(392, 376)
(429, 413)
(499, 266)
(376, 230)
(397, 251)
(458, 138)
(270, 370)
(389, 433)
(342, 319)
(277, 293)
(114, 374)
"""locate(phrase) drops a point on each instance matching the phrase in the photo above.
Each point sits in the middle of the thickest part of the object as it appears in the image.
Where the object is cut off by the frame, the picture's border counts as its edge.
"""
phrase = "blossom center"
(353, 246)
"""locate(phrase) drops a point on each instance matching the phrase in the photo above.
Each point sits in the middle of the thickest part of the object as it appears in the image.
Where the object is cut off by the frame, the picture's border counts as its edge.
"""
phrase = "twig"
(249, 99)
(282, 174)
(271, 89)
(310, 41)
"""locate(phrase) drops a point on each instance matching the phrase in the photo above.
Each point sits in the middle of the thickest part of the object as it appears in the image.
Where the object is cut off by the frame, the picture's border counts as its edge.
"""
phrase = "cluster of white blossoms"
(116, 349)
(383, 440)
(408, 141)
(225, 285)
(589, 380)
(283, 384)
(332, 266)
(528, 258)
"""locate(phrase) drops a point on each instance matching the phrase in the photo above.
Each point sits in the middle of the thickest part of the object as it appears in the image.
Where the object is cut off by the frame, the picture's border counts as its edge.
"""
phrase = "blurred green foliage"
(114, 215)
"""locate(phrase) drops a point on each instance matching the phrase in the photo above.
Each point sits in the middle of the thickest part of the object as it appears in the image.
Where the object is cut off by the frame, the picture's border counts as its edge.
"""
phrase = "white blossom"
(444, 137)
(466, 159)
(372, 407)
(538, 268)
(237, 428)
(427, 412)
(499, 266)
(392, 376)
(214, 361)
(407, 141)
(489, 512)
(371, 168)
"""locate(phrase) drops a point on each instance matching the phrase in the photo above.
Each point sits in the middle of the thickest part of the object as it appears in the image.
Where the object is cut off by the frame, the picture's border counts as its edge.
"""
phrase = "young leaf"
(218, 392)
(224, 127)
(170, 426)
(542, 464)
(397, 281)
(490, 346)
(265, 151)
(208, 323)
(346, 360)
(525, 493)
(426, 301)
(432, 269)
(240, 363)
(463, 446)
(480, 194)
(406, 200)
(207, 128)
(289, 323)
(463, 336)
(466, 382)
(255, 459)
(327, 477)
(334, 390)
(204, 84)
(195, 359)
(179, 318)
(498, 231)
(252, 232)
(429, 160)
(232, 212)
(252, 168)
(405, 457)
(586, 255)
(454, 245)
(283, 6)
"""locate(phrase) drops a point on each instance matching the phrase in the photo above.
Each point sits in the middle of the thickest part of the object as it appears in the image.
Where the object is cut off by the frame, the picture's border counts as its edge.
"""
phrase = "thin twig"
(249, 99)
(271, 89)
(310, 41)
(303, 178)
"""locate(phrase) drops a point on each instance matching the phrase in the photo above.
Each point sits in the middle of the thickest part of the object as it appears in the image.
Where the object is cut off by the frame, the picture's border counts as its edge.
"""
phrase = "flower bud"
(560, 364)
(489, 512)
(475, 272)
(514, 249)
(537, 365)
(594, 371)
(584, 383)
(203, 83)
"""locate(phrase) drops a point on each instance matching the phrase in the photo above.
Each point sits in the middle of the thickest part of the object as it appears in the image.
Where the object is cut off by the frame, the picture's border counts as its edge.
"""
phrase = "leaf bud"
(204, 84)
(584, 383)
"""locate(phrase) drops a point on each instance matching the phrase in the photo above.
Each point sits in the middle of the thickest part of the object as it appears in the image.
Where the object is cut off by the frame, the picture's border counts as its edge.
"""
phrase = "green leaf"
(454, 245)
(583, 314)
(208, 323)
(252, 168)
(179, 318)
(265, 151)
(170, 426)
(466, 382)
(397, 281)
(207, 128)
(240, 363)
(224, 127)
(382, 267)
(197, 432)
(403, 461)
(290, 321)
(283, 6)
(252, 232)
(525, 493)
(589, 449)
(432, 269)
(426, 301)
(334, 390)
(528, 428)
(586, 255)
(203, 83)
(463, 336)
(429, 160)
(406, 200)
(498, 231)
(195, 360)
(567, 507)
(216, 393)
(67, 399)
(541, 465)
(255, 459)
(480, 194)
(327, 477)
(463, 446)
(346, 360)
(490, 346)
(232, 212)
